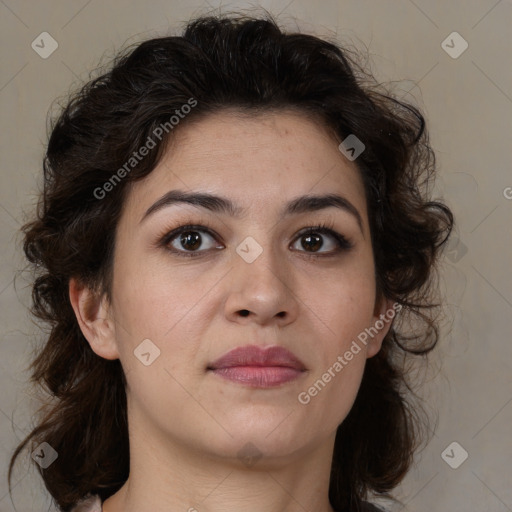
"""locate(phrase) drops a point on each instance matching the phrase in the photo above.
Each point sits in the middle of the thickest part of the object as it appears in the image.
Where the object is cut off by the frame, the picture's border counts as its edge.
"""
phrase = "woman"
(233, 233)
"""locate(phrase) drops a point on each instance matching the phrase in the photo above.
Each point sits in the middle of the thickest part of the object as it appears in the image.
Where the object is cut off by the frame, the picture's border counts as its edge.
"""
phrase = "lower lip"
(259, 376)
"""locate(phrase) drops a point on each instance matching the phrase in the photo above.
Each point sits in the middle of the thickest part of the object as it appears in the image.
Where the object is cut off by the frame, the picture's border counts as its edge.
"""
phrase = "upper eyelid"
(323, 229)
(212, 232)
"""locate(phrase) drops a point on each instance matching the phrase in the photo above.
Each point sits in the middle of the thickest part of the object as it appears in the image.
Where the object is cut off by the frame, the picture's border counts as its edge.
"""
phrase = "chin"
(264, 443)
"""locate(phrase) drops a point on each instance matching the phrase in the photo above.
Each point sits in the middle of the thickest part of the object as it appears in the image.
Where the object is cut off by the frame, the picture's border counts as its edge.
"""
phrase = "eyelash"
(325, 228)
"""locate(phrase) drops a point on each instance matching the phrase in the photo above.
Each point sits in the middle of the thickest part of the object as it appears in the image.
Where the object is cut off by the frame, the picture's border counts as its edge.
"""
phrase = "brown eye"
(321, 240)
(188, 240)
(311, 242)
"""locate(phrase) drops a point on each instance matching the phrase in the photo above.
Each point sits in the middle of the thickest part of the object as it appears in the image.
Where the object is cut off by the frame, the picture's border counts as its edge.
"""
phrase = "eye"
(190, 240)
(194, 240)
(323, 240)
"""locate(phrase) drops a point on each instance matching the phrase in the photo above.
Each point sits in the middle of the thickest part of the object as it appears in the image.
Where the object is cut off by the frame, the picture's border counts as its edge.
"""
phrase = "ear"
(93, 314)
(384, 312)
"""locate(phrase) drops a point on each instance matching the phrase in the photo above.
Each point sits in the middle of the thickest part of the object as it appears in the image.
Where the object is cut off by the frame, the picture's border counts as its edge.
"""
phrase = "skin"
(187, 425)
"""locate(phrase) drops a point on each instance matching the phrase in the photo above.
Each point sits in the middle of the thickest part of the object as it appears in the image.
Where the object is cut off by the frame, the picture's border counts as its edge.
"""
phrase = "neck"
(173, 477)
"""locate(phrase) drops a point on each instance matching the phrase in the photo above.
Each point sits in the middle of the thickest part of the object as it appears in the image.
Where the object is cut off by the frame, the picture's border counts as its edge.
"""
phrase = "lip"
(258, 367)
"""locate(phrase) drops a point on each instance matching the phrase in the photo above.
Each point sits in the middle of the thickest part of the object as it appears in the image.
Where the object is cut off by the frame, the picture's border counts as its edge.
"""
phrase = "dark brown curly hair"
(251, 64)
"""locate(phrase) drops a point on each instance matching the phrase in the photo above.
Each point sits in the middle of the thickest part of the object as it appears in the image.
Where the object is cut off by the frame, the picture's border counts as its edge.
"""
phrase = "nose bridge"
(261, 260)
(261, 281)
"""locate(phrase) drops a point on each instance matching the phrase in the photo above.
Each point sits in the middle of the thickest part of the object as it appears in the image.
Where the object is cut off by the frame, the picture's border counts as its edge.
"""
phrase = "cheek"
(331, 391)
(153, 303)
(151, 297)
(343, 301)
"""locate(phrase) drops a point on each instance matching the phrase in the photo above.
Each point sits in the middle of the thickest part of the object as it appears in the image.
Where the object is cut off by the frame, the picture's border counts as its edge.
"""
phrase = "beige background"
(468, 101)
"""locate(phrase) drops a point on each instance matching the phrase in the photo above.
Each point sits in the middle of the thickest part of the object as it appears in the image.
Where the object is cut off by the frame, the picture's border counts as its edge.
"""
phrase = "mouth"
(258, 367)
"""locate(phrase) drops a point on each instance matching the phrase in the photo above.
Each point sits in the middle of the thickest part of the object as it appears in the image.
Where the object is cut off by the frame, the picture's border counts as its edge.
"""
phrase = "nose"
(262, 291)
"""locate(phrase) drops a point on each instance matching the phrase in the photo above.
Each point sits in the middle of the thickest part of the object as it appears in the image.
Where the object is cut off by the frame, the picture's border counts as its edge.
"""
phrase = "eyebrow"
(218, 204)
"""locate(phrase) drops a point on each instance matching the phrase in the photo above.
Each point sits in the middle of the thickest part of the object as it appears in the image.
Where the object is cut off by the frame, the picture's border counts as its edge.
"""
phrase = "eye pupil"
(313, 242)
(190, 240)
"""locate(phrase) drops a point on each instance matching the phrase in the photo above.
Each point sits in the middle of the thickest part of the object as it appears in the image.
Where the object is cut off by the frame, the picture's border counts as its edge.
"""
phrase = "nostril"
(244, 312)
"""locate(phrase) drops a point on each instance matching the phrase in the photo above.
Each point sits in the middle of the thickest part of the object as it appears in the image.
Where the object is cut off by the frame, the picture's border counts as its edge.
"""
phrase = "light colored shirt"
(91, 503)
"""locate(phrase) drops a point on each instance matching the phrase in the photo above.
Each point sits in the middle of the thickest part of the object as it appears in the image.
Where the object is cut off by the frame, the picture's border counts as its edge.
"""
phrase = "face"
(260, 274)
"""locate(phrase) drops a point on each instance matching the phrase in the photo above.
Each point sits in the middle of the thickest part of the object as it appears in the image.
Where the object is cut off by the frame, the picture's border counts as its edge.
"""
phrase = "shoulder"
(91, 503)
(368, 507)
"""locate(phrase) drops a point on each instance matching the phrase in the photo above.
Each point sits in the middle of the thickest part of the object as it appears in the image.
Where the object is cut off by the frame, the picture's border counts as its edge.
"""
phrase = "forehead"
(259, 160)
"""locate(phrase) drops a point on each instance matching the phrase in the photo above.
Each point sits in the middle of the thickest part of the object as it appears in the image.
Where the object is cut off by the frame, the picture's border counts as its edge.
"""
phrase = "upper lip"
(254, 355)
